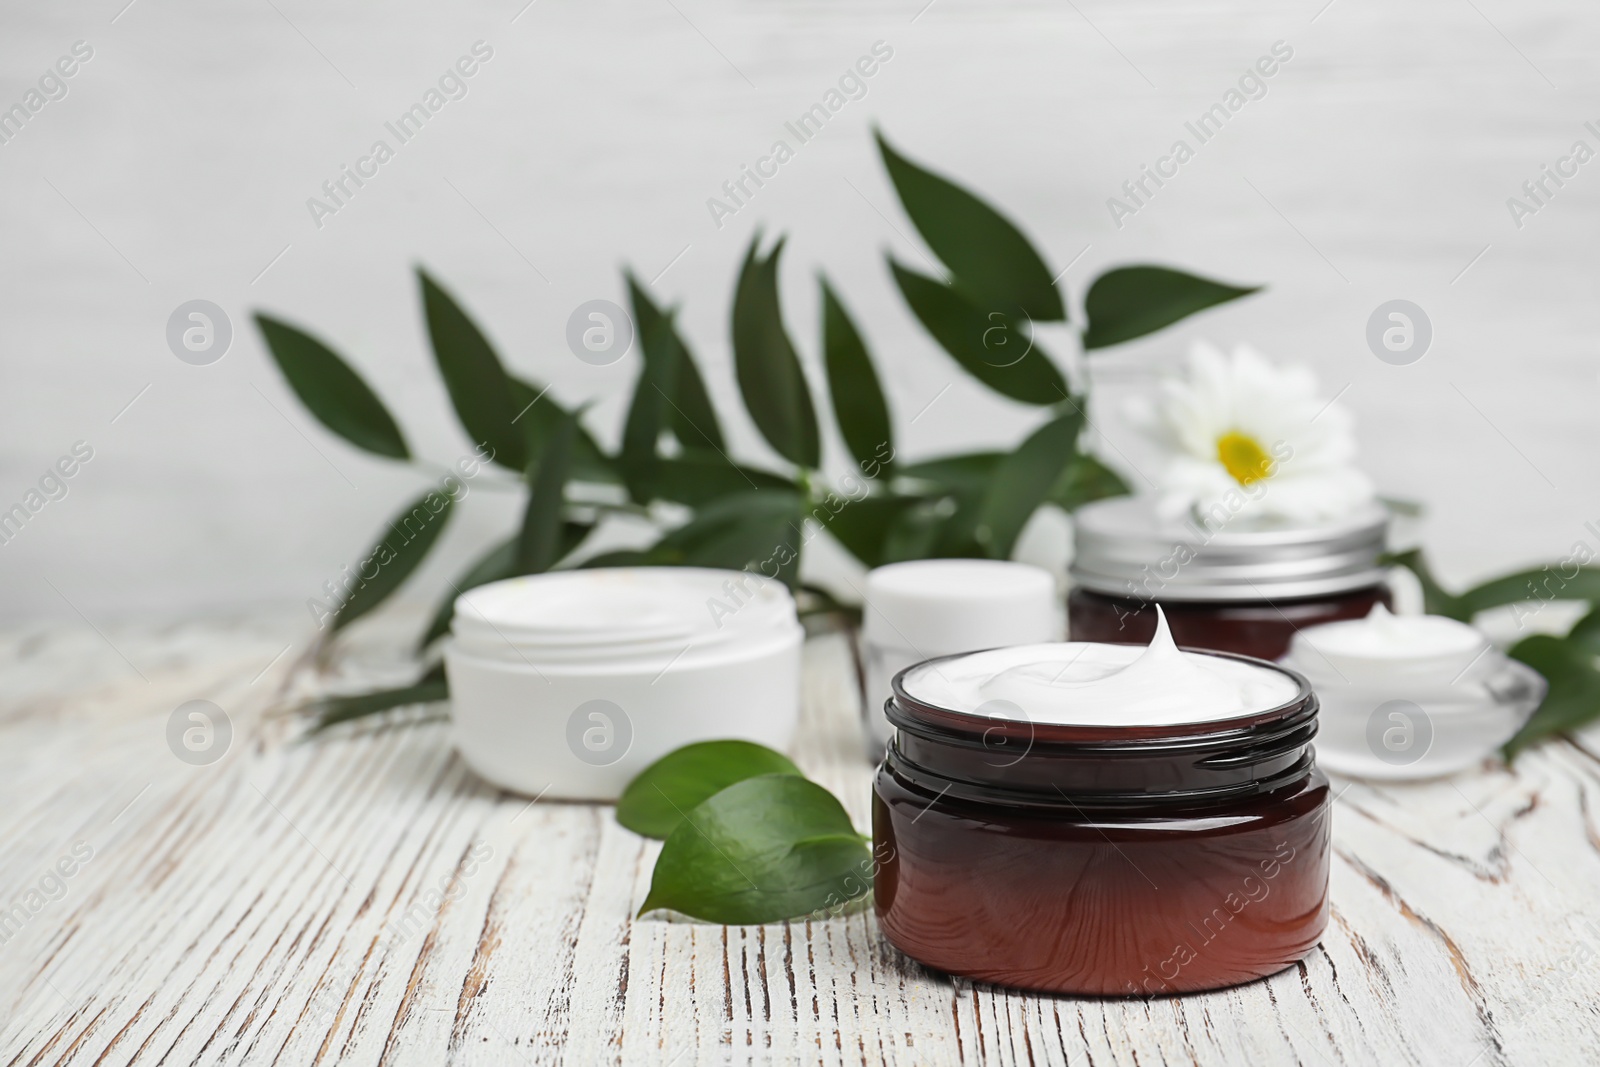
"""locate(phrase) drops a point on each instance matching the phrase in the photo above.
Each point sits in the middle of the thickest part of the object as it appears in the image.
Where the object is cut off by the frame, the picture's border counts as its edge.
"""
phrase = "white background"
(178, 167)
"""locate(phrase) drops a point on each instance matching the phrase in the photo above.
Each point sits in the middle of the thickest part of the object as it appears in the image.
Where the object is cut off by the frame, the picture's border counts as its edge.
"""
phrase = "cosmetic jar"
(1101, 859)
(1411, 696)
(1226, 582)
(933, 607)
(569, 684)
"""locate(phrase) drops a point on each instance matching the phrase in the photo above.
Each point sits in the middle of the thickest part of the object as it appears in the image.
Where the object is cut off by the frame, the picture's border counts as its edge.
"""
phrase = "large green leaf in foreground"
(762, 850)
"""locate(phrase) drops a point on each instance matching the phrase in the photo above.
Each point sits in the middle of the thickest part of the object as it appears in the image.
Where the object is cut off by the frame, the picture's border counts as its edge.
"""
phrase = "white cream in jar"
(1090, 684)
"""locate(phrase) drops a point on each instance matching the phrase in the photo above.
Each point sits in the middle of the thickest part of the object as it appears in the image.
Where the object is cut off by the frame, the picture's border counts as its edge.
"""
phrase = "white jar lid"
(620, 614)
(938, 606)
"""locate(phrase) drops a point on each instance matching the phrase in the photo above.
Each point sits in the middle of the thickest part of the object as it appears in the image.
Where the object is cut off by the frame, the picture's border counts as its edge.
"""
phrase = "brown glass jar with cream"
(1224, 583)
(1102, 819)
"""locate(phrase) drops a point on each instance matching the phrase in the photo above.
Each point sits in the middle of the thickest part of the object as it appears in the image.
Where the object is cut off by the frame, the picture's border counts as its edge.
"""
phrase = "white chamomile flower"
(1239, 434)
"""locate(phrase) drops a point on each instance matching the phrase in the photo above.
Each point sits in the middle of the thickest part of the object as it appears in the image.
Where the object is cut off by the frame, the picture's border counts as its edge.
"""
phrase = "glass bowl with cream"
(1411, 696)
(1102, 819)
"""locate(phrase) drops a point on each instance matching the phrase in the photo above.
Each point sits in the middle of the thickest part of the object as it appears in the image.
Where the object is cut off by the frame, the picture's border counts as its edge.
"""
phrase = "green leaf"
(1024, 480)
(959, 536)
(1544, 584)
(404, 545)
(640, 455)
(752, 502)
(1086, 480)
(1560, 581)
(478, 384)
(1435, 599)
(1585, 633)
(702, 471)
(762, 850)
(1129, 302)
(858, 403)
(953, 523)
(756, 529)
(914, 532)
(572, 535)
(497, 563)
(589, 464)
(991, 347)
(679, 395)
(990, 259)
(538, 416)
(967, 471)
(770, 379)
(691, 417)
(331, 711)
(331, 390)
(656, 801)
(697, 477)
(863, 526)
(693, 420)
(622, 557)
(1574, 696)
(538, 545)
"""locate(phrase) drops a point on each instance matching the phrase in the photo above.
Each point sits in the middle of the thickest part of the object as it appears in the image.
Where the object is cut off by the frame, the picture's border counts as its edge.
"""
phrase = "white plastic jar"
(937, 607)
(569, 684)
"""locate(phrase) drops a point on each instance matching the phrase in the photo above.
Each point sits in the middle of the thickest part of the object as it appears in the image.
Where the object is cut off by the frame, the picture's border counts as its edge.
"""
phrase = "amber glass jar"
(1102, 860)
(1223, 584)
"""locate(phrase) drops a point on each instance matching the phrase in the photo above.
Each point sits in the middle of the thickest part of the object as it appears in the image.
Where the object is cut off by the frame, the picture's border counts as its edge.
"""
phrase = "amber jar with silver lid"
(1225, 581)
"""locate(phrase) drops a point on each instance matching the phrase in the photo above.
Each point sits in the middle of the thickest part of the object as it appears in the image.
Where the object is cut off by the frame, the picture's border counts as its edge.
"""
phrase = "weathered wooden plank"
(363, 898)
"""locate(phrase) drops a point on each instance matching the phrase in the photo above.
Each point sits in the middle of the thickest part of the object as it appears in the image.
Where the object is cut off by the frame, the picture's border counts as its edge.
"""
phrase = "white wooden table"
(363, 898)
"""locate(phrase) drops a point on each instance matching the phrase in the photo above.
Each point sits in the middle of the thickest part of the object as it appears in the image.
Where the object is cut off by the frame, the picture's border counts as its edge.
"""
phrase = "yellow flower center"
(1243, 457)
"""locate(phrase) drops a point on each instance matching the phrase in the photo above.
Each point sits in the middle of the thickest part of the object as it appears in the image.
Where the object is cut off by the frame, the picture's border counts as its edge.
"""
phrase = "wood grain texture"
(362, 898)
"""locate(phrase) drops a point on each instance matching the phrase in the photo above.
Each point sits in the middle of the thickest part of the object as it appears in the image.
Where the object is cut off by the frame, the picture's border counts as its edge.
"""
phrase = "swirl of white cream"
(1101, 684)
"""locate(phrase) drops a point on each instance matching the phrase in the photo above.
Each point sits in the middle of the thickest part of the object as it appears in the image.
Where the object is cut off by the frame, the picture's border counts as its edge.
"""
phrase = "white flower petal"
(1279, 408)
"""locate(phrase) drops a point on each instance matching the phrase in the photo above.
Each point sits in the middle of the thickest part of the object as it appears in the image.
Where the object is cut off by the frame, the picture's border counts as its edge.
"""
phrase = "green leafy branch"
(673, 449)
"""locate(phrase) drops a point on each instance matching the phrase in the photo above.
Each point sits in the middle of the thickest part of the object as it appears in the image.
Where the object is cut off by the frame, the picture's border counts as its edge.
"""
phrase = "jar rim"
(620, 614)
(957, 724)
(1060, 767)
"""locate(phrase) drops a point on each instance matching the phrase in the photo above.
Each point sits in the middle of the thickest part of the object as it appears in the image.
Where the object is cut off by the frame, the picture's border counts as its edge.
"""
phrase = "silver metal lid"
(1123, 549)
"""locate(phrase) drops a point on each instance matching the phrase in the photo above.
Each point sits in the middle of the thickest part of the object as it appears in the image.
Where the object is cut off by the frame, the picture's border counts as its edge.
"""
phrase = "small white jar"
(937, 607)
(569, 684)
(1410, 696)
